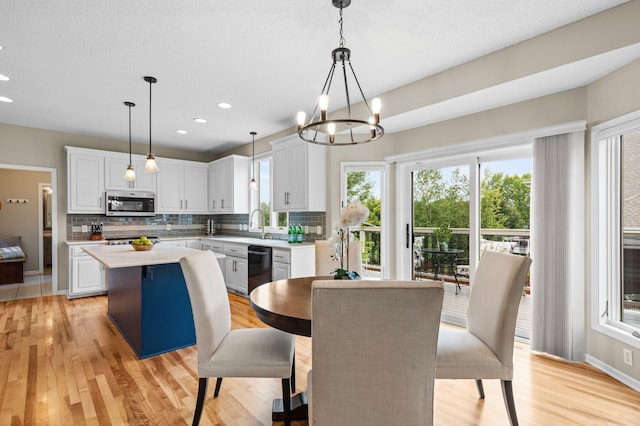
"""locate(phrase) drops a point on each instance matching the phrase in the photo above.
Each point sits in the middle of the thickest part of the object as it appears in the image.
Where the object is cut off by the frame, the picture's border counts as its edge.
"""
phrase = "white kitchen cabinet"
(116, 164)
(218, 249)
(175, 243)
(182, 187)
(229, 185)
(293, 263)
(85, 181)
(236, 268)
(86, 275)
(299, 176)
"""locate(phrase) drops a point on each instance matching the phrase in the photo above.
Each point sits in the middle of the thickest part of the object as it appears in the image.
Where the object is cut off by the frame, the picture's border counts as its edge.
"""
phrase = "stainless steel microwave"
(131, 203)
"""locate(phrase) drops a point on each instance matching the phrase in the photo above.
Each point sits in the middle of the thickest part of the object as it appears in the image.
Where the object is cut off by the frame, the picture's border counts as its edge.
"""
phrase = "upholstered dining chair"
(484, 350)
(222, 352)
(326, 264)
(373, 352)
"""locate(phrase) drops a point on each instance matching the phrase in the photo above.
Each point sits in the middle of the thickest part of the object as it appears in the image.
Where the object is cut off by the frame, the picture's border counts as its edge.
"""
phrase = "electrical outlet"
(85, 228)
(319, 230)
(168, 227)
(306, 229)
(628, 356)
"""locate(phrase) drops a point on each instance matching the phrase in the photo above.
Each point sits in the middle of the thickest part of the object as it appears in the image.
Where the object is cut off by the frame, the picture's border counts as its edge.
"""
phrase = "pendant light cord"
(150, 83)
(130, 161)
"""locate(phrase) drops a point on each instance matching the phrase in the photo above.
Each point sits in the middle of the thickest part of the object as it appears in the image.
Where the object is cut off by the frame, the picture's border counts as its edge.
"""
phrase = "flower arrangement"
(353, 215)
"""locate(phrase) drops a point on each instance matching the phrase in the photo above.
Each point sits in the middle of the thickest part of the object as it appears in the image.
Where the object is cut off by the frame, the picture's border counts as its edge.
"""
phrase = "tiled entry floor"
(33, 286)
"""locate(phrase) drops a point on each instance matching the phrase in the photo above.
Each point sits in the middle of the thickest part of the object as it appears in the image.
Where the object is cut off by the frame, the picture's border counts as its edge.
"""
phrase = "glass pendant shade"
(130, 174)
(253, 186)
(151, 166)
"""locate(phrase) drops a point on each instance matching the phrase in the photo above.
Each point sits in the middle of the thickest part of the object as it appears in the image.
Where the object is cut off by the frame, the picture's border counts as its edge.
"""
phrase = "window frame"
(606, 228)
(254, 195)
(372, 166)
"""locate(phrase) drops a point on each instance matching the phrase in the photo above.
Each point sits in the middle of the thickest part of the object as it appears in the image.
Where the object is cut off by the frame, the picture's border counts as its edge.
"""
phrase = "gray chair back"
(209, 301)
(374, 352)
(495, 299)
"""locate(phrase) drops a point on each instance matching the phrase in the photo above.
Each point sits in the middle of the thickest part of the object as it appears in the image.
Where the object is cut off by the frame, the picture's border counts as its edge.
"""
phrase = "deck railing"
(370, 239)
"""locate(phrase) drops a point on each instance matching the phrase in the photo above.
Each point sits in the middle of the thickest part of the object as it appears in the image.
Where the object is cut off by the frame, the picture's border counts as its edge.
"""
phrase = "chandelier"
(321, 129)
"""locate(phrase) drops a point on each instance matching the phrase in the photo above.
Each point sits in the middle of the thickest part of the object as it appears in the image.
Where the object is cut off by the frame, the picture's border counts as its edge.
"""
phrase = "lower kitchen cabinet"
(280, 268)
(86, 275)
(236, 274)
(236, 269)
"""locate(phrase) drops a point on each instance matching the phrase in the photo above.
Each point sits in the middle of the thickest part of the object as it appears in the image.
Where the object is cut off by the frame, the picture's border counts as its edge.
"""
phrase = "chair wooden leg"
(293, 375)
(202, 393)
(217, 389)
(480, 388)
(286, 401)
(507, 393)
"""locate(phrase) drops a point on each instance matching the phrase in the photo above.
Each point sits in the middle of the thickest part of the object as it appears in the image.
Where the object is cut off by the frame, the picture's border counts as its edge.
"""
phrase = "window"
(364, 182)
(274, 222)
(615, 254)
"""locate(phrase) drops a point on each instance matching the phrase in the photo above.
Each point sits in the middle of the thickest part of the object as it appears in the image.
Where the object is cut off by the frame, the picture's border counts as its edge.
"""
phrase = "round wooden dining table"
(286, 305)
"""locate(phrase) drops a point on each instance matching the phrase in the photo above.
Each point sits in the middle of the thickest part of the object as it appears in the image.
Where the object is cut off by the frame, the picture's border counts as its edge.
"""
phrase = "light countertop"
(124, 256)
(230, 239)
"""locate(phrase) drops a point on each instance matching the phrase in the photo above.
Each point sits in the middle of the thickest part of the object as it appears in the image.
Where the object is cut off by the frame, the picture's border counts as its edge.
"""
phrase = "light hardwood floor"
(63, 362)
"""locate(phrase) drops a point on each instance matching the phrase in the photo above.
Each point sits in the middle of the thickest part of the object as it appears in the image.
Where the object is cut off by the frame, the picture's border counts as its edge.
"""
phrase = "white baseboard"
(618, 375)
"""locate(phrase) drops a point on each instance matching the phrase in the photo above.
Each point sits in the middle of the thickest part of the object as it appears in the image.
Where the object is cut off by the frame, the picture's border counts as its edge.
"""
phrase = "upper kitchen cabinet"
(85, 180)
(182, 186)
(299, 176)
(229, 185)
(116, 164)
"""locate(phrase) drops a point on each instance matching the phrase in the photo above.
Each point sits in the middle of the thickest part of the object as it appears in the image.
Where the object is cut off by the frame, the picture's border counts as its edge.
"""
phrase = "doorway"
(32, 183)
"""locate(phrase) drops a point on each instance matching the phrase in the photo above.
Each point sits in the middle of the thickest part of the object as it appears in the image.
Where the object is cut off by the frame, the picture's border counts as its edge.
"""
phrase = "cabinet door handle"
(186, 204)
(180, 204)
(222, 203)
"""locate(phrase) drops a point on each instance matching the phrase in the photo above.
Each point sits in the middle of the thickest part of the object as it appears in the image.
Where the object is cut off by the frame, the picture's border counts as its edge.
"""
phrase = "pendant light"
(253, 186)
(151, 166)
(319, 125)
(130, 174)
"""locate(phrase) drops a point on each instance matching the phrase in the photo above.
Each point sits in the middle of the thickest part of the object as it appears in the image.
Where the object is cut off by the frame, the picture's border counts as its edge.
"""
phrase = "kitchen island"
(147, 296)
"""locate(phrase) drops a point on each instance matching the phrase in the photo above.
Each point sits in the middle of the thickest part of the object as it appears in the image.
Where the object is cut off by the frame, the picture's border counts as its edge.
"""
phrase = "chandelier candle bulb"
(331, 128)
(302, 117)
(323, 102)
(376, 104)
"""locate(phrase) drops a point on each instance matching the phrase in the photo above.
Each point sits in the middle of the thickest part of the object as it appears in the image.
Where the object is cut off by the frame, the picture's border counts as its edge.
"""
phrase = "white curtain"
(558, 246)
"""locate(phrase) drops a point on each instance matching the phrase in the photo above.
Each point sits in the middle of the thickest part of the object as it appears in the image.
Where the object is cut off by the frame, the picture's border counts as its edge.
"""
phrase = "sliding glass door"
(460, 209)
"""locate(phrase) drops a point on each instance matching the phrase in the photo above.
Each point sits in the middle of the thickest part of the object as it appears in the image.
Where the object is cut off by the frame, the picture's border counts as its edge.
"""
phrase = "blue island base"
(150, 306)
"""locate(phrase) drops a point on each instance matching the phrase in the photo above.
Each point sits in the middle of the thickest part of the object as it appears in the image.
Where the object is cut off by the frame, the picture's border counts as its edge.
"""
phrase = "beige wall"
(22, 219)
(25, 146)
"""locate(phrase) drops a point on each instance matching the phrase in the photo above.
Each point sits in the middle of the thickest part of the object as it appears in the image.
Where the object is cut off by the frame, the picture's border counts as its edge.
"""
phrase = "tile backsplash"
(186, 225)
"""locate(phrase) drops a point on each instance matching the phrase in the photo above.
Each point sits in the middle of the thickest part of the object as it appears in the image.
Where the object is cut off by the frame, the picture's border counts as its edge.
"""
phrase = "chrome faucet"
(262, 235)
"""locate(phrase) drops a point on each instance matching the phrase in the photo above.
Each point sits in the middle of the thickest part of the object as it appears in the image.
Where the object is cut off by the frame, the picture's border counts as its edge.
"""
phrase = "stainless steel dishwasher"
(259, 259)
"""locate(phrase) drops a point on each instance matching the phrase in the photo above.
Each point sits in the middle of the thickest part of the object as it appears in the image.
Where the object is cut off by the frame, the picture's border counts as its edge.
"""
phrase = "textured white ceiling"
(73, 63)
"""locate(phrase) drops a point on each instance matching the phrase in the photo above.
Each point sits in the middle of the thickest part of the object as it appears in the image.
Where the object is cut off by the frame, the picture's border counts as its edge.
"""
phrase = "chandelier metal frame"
(321, 125)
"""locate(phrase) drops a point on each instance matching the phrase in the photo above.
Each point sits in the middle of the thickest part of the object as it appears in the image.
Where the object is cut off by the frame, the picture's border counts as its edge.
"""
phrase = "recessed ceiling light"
(5, 99)
(182, 132)
(199, 120)
(224, 105)
(4, 78)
